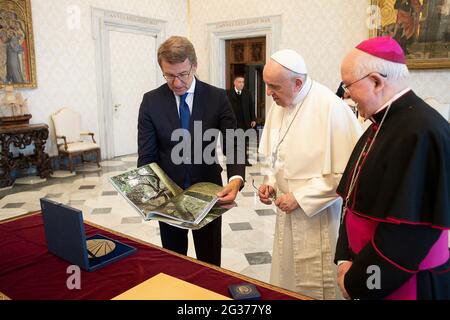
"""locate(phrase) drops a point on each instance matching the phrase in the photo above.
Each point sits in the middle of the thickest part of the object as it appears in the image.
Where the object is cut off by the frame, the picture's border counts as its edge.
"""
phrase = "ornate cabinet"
(21, 136)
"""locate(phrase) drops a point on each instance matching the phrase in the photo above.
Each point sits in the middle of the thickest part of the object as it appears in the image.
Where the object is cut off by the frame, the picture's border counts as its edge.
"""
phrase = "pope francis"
(307, 140)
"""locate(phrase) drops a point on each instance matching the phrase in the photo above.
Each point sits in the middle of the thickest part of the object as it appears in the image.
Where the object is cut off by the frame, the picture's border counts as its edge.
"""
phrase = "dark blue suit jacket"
(158, 118)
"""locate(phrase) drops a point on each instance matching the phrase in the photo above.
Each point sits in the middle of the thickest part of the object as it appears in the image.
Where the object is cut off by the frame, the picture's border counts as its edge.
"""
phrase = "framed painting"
(17, 59)
(421, 27)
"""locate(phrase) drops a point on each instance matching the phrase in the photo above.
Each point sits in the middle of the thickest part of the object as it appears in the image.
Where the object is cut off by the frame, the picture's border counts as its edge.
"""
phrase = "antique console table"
(21, 136)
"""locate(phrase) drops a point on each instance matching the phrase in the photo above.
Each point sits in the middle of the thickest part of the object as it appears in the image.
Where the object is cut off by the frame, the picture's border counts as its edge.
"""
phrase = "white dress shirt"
(190, 103)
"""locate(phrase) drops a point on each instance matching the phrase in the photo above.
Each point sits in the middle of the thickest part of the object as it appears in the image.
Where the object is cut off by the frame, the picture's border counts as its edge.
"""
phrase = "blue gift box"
(244, 291)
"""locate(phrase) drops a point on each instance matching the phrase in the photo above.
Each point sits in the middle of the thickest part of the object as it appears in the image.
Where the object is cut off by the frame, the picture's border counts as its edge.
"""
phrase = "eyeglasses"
(183, 77)
(272, 195)
(345, 87)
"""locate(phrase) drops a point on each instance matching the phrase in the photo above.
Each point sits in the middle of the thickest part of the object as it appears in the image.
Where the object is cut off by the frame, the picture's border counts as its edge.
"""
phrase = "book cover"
(165, 287)
(155, 196)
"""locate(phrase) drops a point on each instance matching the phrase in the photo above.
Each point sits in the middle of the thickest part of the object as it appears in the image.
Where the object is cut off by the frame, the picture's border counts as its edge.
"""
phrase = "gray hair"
(176, 50)
(367, 63)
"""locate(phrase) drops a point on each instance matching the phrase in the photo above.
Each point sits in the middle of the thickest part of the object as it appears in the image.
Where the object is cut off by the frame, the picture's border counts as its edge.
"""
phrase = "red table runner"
(28, 271)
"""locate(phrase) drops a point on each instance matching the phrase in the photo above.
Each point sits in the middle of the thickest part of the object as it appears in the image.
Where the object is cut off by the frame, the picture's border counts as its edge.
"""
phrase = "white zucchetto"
(290, 60)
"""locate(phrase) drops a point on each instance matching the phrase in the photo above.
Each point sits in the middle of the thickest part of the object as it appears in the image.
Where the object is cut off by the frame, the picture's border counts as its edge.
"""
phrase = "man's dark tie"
(185, 116)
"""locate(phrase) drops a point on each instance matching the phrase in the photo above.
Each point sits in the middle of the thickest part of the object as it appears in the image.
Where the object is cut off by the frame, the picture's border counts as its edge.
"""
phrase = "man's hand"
(287, 203)
(253, 124)
(230, 191)
(342, 270)
(266, 194)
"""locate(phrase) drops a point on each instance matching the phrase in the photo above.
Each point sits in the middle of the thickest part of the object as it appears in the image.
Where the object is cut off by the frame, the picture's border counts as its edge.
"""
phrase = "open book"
(155, 196)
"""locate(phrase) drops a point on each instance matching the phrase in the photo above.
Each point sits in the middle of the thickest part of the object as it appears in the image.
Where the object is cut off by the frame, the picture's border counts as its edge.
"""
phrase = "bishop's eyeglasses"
(183, 77)
(346, 86)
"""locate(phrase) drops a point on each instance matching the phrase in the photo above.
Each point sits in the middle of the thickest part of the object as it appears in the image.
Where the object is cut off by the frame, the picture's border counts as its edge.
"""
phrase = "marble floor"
(247, 230)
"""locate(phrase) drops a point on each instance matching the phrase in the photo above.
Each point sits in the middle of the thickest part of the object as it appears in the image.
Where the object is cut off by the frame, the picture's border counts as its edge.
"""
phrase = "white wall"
(65, 56)
(323, 31)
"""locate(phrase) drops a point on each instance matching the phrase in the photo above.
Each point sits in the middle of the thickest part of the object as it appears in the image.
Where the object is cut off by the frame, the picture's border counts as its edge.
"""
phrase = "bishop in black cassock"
(393, 239)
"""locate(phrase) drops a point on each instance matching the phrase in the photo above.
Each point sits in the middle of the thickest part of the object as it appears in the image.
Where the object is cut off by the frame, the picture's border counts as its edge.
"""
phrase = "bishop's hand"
(342, 271)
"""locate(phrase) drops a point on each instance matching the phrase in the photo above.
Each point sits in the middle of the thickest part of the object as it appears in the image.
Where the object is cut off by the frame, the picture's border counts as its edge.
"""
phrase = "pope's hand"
(287, 203)
(230, 191)
(266, 193)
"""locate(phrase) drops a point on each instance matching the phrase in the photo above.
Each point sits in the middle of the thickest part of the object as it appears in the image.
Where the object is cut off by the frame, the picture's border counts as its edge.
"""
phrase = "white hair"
(294, 75)
(367, 63)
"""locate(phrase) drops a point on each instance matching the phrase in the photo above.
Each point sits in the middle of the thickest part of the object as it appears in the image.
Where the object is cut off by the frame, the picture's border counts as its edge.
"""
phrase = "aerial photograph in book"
(156, 197)
(191, 205)
(214, 213)
(145, 188)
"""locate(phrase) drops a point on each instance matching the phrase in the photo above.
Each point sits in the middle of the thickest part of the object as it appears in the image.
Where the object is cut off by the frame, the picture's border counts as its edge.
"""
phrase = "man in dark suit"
(184, 102)
(243, 107)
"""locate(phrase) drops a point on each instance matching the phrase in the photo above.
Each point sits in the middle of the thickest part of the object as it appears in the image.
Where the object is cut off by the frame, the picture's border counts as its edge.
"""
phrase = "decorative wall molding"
(104, 21)
(242, 22)
(219, 32)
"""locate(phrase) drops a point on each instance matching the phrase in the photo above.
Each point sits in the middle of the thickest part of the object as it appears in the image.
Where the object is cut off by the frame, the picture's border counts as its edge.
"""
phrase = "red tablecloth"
(29, 271)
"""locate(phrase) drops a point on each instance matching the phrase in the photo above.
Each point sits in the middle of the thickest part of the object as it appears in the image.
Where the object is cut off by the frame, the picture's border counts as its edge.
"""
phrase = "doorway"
(130, 79)
(246, 57)
(126, 49)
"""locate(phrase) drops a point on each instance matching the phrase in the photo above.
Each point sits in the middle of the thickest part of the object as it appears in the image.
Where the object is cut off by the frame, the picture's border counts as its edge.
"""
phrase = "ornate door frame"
(219, 32)
(102, 22)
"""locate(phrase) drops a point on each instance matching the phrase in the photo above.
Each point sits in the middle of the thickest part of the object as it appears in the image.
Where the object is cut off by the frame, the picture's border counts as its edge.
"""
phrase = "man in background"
(244, 109)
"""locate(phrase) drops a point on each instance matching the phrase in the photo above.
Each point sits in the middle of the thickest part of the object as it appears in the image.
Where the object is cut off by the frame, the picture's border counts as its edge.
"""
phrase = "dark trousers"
(207, 240)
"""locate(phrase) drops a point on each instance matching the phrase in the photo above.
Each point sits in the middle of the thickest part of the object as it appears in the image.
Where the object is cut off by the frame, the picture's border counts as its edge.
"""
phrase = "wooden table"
(21, 136)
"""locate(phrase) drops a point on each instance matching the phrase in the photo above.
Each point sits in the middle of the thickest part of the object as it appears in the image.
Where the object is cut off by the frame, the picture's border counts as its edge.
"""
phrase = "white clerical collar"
(303, 92)
(395, 97)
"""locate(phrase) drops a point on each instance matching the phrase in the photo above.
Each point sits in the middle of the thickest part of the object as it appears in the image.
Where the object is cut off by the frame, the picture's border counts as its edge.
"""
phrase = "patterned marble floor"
(247, 230)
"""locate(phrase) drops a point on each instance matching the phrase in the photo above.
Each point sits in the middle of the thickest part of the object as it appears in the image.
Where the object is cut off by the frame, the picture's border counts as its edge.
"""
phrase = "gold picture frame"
(17, 58)
(422, 28)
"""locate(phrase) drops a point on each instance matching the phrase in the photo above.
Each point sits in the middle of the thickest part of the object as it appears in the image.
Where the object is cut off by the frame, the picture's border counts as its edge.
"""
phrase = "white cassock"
(310, 159)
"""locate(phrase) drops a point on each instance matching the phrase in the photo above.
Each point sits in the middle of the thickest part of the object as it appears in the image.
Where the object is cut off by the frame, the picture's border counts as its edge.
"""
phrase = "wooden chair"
(67, 125)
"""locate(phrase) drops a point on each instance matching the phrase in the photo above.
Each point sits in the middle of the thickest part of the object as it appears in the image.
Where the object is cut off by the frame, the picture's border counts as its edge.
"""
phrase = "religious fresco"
(17, 60)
